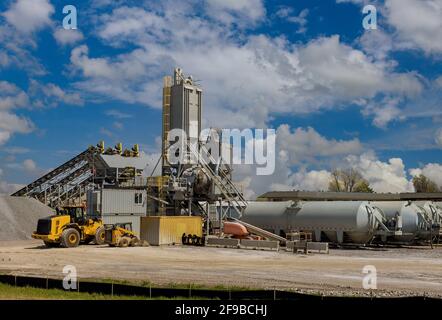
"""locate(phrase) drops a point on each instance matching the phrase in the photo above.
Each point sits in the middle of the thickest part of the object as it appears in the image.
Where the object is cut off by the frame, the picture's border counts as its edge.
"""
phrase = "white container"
(117, 201)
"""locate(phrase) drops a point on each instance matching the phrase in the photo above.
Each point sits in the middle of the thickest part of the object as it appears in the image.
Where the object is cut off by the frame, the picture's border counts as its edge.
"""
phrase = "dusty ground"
(401, 271)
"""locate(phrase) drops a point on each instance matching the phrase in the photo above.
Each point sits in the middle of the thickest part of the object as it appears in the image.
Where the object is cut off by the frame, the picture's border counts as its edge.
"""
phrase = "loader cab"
(77, 213)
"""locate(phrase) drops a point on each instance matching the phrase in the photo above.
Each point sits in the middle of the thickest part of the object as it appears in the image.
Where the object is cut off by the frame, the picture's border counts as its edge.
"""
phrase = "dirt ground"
(400, 271)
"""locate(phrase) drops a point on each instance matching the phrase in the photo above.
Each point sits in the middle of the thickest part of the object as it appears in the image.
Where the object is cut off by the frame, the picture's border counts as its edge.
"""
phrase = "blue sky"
(338, 95)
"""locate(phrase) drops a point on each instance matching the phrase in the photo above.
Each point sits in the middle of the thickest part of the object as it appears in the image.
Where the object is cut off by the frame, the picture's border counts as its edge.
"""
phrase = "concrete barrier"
(300, 246)
(321, 247)
(289, 245)
(223, 242)
(260, 244)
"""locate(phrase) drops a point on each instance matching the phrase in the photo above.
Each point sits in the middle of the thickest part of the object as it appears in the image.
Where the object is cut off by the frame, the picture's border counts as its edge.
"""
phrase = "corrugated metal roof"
(335, 196)
(118, 161)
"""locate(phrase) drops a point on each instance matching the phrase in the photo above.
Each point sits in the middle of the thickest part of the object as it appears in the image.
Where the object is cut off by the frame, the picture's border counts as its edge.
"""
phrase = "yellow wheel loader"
(121, 235)
(69, 227)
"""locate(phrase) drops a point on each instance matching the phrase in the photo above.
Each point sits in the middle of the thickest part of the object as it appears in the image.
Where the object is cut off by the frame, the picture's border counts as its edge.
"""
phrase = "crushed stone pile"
(19, 216)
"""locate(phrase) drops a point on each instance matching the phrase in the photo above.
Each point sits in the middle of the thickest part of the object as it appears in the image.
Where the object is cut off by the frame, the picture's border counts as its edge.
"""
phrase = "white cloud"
(377, 43)
(300, 19)
(29, 165)
(417, 23)
(118, 114)
(29, 15)
(51, 95)
(430, 170)
(245, 77)
(383, 176)
(241, 12)
(349, 73)
(384, 111)
(67, 37)
(297, 148)
(5, 187)
(11, 123)
(9, 188)
(314, 180)
(16, 51)
(306, 145)
(12, 97)
(438, 82)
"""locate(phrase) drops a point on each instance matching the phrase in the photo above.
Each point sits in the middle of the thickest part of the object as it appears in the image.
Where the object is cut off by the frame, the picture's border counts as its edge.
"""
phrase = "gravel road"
(400, 271)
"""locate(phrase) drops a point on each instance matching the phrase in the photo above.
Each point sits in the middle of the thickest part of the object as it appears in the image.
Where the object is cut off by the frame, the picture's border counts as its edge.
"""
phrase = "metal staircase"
(229, 191)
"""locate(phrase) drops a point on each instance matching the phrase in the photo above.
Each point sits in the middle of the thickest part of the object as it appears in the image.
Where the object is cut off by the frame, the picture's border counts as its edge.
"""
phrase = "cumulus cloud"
(12, 97)
(38, 95)
(51, 95)
(7, 188)
(314, 180)
(384, 111)
(299, 167)
(29, 15)
(260, 74)
(29, 165)
(387, 176)
(417, 23)
(67, 37)
(430, 170)
(16, 51)
(241, 12)
(307, 145)
(295, 151)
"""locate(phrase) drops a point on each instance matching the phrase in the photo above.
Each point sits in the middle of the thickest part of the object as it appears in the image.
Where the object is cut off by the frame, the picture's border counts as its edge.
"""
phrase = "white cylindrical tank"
(432, 210)
(412, 218)
(267, 215)
(340, 221)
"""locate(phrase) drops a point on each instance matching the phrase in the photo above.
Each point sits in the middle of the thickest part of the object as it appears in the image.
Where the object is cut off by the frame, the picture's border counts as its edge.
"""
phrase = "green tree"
(349, 180)
(363, 186)
(423, 184)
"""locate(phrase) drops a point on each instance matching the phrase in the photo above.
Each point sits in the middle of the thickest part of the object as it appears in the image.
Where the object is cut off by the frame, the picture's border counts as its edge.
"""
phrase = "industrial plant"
(110, 196)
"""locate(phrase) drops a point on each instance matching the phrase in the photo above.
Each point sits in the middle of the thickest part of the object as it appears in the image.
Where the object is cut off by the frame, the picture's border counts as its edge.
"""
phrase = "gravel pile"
(19, 216)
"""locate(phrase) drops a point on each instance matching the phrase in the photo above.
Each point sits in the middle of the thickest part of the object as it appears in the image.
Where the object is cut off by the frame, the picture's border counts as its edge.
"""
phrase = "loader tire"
(99, 236)
(134, 242)
(124, 242)
(70, 238)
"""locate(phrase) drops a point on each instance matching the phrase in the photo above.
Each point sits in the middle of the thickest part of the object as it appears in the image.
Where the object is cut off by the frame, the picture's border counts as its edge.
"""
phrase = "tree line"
(351, 180)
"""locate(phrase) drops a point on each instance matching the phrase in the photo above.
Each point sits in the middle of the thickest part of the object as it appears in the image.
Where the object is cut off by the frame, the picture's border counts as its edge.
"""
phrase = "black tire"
(133, 242)
(123, 242)
(99, 236)
(51, 244)
(70, 238)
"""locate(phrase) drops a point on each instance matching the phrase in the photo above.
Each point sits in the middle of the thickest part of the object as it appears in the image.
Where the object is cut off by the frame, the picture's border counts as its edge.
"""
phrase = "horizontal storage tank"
(414, 224)
(339, 221)
(433, 211)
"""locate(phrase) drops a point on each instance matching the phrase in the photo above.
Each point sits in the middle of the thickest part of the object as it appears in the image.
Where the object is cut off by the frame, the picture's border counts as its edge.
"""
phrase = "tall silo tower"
(182, 107)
